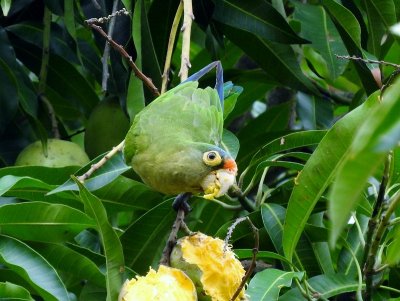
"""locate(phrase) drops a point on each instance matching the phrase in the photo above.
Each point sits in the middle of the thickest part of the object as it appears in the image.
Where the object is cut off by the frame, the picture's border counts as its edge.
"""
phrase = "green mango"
(106, 127)
(59, 153)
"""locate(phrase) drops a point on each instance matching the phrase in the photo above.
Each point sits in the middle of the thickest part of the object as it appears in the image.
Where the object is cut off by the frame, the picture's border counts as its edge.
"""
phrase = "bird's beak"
(230, 165)
(218, 182)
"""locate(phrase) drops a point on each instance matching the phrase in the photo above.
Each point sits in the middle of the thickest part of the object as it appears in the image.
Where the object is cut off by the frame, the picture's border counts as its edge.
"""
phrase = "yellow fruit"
(167, 284)
(212, 266)
(107, 127)
(59, 153)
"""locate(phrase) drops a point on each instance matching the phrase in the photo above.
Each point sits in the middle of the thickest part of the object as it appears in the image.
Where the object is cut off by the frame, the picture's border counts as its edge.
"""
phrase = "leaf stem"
(253, 260)
(369, 269)
(171, 41)
(103, 160)
(373, 221)
(146, 80)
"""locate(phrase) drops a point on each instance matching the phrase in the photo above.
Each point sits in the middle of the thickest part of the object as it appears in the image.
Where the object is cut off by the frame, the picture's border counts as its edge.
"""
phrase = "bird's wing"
(185, 113)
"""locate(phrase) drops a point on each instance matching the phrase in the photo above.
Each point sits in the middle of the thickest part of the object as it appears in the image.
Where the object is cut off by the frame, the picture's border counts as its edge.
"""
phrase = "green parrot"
(174, 144)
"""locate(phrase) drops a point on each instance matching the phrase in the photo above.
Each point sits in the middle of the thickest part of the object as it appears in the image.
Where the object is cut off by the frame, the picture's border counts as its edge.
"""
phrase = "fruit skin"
(60, 153)
(106, 127)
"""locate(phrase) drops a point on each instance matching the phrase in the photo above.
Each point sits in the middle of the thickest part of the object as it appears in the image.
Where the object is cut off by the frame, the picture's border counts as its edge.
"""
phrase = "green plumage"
(167, 139)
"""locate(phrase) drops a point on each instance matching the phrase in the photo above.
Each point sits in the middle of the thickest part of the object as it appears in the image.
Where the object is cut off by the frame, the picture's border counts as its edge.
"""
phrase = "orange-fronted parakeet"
(174, 144)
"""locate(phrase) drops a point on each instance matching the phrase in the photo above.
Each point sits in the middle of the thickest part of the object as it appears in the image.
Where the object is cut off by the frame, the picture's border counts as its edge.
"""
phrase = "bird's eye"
(212, 158)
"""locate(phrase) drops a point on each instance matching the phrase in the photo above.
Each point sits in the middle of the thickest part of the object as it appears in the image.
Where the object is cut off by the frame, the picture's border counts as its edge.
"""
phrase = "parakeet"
(174, 144)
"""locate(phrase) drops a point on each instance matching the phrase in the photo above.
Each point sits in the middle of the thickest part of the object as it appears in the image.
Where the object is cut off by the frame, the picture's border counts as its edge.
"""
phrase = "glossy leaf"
(230, 143)
(318, 173)
(377, 135)
(257, 17)
(327, 285)
(101, 177)
(110, 241)
(39, 221)
(14, 292)
(346, 261)
(349, 29)
(273, 217)
(267, 284)
(381, 15)
(72, 263)
(326, 40)
(77, 93)
(149, 230)
(27, 263)
(276, 59)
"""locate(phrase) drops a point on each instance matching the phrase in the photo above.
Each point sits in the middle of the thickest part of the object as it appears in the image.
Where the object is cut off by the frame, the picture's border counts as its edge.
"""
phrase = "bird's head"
(222, 175)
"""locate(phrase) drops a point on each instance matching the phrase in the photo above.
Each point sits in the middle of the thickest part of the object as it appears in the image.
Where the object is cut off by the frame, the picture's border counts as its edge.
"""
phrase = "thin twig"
(253, 260)
(373, 221)
(106, 52)
(103, 20)
(173, 235)
(230, 231)
(96, 166)
(380, 230)
(188, 18)
(171, 41)
(368, 61)
(146, 80)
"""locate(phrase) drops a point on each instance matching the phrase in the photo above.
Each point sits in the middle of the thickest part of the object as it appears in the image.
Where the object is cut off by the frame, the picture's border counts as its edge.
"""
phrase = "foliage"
(319, 145)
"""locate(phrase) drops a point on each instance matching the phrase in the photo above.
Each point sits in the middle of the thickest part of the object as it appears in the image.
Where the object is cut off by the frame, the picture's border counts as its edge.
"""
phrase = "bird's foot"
(181, 202)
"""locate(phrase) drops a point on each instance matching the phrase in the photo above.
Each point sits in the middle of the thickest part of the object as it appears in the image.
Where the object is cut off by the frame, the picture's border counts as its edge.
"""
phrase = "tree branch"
(188, 18)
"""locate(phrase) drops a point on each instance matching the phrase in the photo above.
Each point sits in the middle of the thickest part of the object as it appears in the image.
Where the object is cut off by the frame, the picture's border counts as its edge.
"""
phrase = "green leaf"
(71, 263)
(49, 175)
(32, 267)
(326, 285)
(381, 14)
(349, 29)
(326, 40)
(110, 241)
(230, 143)
(277, 59)
(135, 100)
(143, 240)
(231, 93)
(319, 171)
(5, 6)
(257, 17)
(379, 132)
(108, 172)
(146, 60)
(160, 17)
(78, 93)
(273, 217)
(266, 285)
(246, 253)
(8, 85)
(39, 221)
(14, 292)
(69, 18)
(124, 194)
(284, 143)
